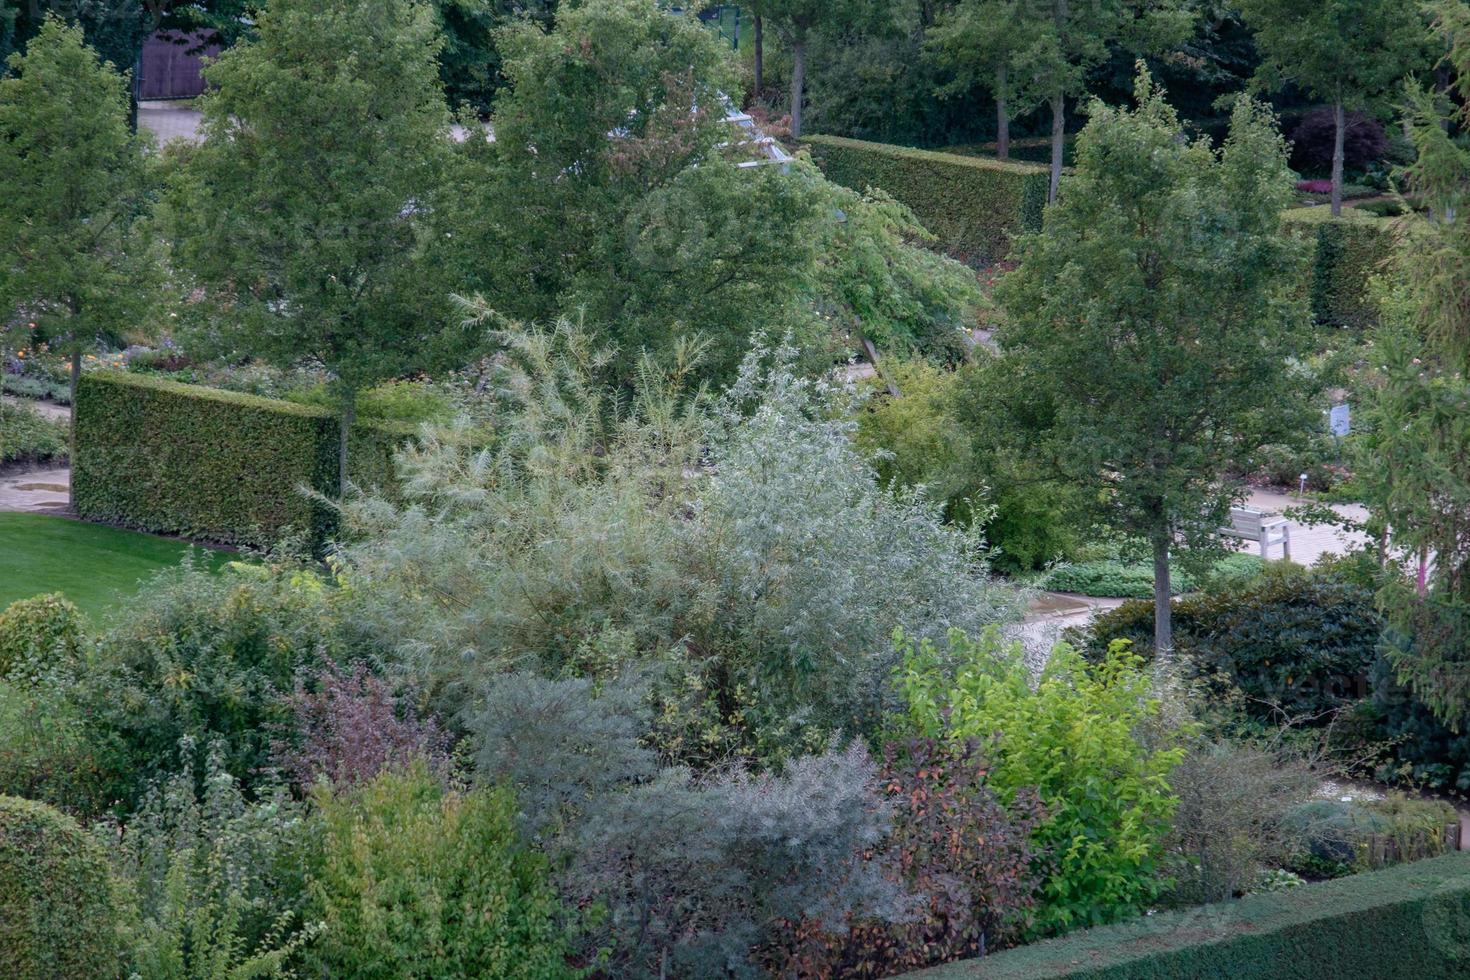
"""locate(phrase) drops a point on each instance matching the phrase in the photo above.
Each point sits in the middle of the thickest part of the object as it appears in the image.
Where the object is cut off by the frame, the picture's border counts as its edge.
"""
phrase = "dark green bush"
(211, 464)
(1348, 251)
(1294, 641)
(208, 657)
(1411, 921)
(1135, 580)
(971, 204)
(58, 914)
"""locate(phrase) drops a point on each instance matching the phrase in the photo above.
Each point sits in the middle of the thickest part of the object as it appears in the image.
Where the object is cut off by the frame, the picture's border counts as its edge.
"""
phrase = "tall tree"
(1415, 459)
(1346, 52)
(1077, 36)
(307, 213)
(981, 41)
(797, 20)
(1149, 326)
(614, 186)
(74, 184)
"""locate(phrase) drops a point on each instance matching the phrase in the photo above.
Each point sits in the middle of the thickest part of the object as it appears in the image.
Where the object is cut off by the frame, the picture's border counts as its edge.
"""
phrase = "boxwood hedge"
(58, 909)
(209, 464)
(1410, 921)
(1348, 251)
(973, 205)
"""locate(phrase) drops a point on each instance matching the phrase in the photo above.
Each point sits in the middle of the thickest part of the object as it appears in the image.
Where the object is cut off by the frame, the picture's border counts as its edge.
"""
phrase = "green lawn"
(96, 567)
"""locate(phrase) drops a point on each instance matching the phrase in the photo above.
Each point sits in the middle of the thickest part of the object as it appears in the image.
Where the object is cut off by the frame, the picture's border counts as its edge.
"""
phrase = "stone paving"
(1053, 612)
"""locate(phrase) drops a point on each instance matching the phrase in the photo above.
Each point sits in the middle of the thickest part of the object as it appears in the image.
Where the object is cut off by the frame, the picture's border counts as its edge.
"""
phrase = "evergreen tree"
(1415, 458)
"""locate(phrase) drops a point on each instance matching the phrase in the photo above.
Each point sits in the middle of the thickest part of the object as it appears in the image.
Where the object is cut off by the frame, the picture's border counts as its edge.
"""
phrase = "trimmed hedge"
(1348, 251)
(210, 464)
(1305, 641)
(1411, 921)
(58, 915)
(971, 204)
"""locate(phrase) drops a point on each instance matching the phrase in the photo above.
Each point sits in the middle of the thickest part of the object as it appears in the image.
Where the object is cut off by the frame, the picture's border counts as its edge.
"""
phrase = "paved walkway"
(44, 491)
(36, 491)
(1052, 612)
(170, 120)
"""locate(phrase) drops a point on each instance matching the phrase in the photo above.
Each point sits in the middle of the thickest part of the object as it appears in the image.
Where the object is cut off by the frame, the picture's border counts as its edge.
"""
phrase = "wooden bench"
(1251, 524)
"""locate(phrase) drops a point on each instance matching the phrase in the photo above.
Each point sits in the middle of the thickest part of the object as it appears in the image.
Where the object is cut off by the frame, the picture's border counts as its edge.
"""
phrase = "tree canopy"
(307, 212)
(1150, 325)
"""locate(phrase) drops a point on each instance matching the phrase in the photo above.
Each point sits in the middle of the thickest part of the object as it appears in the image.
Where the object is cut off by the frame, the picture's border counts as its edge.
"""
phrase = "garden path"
(48, 409)
(36, 491)
(39, 491)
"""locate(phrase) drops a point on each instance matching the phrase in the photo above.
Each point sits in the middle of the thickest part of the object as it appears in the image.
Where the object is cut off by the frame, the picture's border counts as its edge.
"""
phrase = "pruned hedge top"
(209, 464)
(1408, 922)
(973, 205)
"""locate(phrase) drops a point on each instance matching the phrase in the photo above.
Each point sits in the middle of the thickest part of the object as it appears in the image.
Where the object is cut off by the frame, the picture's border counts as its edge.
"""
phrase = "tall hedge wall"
(1411, 921)
(973, 205)
(210, 464)
(1349, 250)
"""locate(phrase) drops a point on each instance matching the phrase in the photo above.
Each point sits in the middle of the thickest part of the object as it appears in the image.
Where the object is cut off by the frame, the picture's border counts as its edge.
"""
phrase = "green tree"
(982, 41)
(616, 186)
(1347, 52)
(1050, 47)
(1415, 460)
(74, 184)
(796, 20)
(308, 212)
(1149, 325)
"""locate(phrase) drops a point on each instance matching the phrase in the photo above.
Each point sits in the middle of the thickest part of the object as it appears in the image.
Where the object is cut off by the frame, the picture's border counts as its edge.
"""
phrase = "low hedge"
(971, 204)
(1348, 251)
(1411, 921)
(209, 464)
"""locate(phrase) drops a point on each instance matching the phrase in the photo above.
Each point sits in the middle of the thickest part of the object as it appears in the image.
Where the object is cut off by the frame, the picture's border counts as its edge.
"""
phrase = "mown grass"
(97, 567)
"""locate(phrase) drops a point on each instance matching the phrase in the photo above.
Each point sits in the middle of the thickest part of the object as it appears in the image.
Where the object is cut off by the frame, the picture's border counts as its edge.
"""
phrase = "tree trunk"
(349, 415)
(798, 82)
(760, 58)
(1339, 119)
(1058, 143)
(1163, 612)
(1002, 117)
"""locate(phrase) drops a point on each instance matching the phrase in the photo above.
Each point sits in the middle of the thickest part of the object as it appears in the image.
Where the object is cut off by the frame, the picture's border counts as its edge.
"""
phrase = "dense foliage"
(1077, 737)
(1297, 645)
(58, 909)
(971, 204)
(397, 897)
(181, 459)
(1149, 325)
(748, 578)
